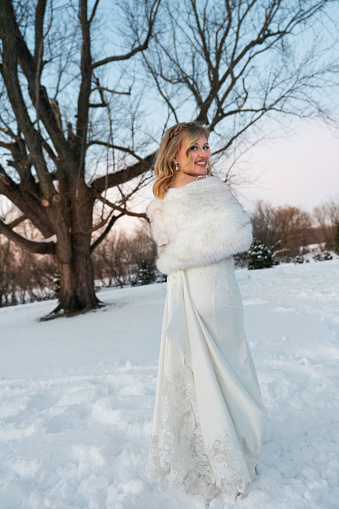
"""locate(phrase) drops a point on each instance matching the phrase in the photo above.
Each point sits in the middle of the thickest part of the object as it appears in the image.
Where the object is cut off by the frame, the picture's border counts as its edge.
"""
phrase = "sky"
(300, 170)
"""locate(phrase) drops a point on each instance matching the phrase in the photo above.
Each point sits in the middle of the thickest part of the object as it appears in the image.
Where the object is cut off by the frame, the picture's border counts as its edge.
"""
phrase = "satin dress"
(209, 415)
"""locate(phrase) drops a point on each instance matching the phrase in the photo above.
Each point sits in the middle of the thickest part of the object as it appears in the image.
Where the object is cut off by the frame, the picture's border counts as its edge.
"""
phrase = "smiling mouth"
(201, 163)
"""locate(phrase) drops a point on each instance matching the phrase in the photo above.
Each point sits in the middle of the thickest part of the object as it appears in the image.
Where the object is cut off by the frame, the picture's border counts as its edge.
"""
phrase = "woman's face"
(200, 154)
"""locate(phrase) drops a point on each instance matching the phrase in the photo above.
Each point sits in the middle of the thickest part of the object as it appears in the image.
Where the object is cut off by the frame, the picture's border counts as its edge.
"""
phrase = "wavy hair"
(164, 168)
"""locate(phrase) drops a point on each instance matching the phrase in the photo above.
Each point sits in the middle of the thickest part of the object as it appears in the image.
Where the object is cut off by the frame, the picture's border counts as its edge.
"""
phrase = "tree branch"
(8, 29)
(161, 92)
(23, 196)
(118, 147)
(39, 31)
(239, 133)
(126, 212)
(39, 247)
(85, 89)
(97, 105)
(10, 133)
(94, 11)
(17, 221)
(105, 232)
(122, 176)
(141, 47)
(110, 91)
(40, 99)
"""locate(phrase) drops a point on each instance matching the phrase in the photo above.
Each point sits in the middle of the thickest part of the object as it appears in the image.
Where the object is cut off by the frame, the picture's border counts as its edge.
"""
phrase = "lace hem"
(179, 453)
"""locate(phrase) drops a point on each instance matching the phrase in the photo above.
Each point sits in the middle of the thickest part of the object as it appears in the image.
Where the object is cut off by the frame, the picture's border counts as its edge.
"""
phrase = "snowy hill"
(77, 397)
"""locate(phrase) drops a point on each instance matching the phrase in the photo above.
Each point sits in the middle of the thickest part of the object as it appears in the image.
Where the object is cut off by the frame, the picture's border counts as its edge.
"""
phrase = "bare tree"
(4, 271)
(46, 175)
(291, 225)
(118, 258)
(282, 229)
(24, 276)
(262, 221)
(239, 62)
(327, 217)
(112, 259)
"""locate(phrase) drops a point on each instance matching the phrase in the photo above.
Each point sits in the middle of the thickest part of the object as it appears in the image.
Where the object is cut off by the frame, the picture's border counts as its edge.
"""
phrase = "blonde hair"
(170, 145)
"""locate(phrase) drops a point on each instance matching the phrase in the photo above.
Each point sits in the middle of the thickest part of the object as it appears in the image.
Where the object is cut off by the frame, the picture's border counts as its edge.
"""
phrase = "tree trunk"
(73, 258)
(76, 282)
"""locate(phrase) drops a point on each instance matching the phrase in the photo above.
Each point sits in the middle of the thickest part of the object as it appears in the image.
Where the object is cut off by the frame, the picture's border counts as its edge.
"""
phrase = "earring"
(176, 165)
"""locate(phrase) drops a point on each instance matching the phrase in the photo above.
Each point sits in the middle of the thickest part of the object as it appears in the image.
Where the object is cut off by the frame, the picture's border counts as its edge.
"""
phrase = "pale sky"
(300, 170)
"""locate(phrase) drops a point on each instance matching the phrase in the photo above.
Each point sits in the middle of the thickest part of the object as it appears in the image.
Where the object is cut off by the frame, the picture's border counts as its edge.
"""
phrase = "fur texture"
(198, 224)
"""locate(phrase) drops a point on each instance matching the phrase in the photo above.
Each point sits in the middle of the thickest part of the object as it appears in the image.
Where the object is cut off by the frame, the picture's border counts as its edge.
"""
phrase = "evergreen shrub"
(259, 256)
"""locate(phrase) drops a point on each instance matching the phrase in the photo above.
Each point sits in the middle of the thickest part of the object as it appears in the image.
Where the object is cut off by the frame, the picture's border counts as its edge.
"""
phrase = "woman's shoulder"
(199, 185)
(207, 189)
(209, 192)
(198, 178)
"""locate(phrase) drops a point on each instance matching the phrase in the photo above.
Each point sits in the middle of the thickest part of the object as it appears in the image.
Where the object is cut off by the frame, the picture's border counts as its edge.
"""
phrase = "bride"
(208, 416)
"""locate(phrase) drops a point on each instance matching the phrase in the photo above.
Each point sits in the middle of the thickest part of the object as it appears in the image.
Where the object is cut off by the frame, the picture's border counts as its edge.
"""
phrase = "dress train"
(208, 416)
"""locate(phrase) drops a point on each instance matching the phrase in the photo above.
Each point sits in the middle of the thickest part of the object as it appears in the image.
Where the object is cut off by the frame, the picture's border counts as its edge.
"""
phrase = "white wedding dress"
(209, 416)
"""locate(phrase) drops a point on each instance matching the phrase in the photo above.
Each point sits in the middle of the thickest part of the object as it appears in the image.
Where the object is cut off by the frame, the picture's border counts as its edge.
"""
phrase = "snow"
(77, 395)
(47, 240)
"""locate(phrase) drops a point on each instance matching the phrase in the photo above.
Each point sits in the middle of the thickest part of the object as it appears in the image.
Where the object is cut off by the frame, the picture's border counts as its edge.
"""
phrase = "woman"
(208, 416)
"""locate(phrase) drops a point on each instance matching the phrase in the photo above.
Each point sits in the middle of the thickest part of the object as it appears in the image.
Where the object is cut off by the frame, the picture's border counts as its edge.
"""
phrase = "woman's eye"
(206, 147)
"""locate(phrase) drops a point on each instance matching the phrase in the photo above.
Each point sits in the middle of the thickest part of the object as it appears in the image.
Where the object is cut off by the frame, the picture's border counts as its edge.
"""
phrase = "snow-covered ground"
(76, 397)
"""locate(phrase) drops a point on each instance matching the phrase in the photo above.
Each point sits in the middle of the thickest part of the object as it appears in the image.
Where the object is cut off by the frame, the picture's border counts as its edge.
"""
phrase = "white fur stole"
(198, 224)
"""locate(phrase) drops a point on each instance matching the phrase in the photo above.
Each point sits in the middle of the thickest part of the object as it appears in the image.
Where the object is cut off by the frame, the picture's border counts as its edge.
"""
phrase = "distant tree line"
(23, 276)
(120, 260)
(123, 259)
(285, 230)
